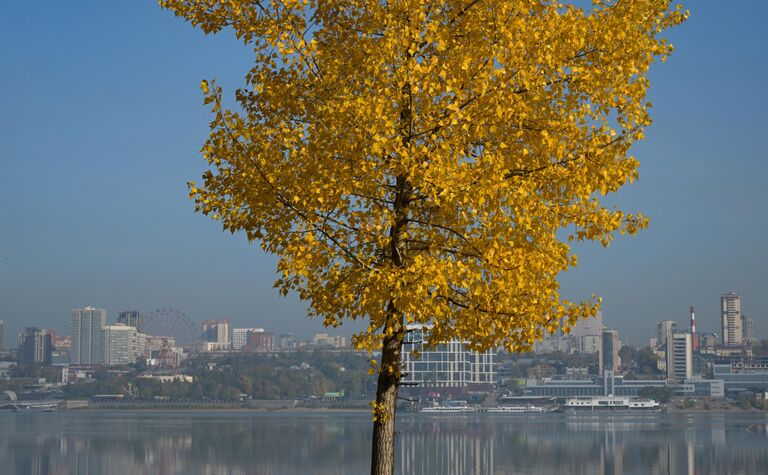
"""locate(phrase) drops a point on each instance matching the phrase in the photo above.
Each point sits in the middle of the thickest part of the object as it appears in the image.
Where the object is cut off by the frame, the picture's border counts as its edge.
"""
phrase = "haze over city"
(101, 127)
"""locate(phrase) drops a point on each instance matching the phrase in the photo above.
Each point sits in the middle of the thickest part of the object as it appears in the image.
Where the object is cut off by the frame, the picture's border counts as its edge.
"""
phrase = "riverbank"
(713, 406)
(357, 407)
(252, 406)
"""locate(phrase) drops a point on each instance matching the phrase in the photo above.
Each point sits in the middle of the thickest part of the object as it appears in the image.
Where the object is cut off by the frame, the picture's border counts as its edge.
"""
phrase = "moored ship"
(611, 405)
(526, 409)
(450, 407)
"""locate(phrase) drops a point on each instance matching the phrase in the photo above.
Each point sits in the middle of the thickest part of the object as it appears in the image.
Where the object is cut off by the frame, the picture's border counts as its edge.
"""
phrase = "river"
(280, 443)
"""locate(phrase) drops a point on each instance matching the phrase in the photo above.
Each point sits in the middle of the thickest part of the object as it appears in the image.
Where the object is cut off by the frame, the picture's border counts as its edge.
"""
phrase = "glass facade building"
(448, 365)
(35, 346)
(132, 318)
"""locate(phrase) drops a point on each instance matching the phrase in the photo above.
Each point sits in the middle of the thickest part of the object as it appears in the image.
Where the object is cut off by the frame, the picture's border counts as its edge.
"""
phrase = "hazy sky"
(101, 120)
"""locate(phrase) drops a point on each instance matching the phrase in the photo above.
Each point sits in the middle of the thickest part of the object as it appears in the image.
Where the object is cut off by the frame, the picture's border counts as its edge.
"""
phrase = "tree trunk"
(383, 441)
(383, 445)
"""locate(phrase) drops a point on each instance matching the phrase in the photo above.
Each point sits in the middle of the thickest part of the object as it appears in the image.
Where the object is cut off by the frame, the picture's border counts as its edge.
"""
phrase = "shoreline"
(341, 410)
(137, 408)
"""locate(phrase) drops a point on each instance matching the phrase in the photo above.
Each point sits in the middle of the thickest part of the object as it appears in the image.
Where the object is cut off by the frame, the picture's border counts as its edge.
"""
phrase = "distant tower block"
(693, 329)
(730, 315)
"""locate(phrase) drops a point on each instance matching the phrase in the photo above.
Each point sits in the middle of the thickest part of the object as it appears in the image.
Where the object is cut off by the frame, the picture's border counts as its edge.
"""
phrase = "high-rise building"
(730, 311)
(88, 336)
(122, 345)
(664, 329)
(132, 318)
(679, 357)
(587, 333)
(2, 338)
(748, 329)
(240, 337)
(217, 331)
(588, 326)
(448, 365)
(609, 351)
(260, 342)
(35, 346)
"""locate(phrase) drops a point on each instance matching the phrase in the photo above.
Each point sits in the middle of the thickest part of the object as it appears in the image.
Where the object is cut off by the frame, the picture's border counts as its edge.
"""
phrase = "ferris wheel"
(171, 323)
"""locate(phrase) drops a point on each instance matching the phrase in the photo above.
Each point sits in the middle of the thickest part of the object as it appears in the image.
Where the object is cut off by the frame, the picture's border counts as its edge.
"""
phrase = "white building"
(240, 337)
(122, 344)
(679, 357)
(449, 365)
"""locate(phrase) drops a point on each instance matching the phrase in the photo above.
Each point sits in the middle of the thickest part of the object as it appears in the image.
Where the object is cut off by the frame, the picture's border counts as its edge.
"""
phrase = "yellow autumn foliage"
(430, 161)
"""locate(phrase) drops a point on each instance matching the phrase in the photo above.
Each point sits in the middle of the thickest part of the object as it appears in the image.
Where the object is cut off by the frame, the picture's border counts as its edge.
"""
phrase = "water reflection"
(337, 444)
(183, 443)
(710, 443)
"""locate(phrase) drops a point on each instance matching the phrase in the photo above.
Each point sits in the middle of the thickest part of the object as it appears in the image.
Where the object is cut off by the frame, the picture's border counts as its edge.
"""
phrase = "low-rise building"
(286, 341)
(324, 339)
(742, 376)
(5, 369)
(169, 378)
(212, 346)
(611, 384)
(700, 387)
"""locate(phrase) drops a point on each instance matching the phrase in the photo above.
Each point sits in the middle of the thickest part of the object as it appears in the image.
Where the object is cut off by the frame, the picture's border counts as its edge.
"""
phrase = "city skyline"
(658, 332)
(98, 210)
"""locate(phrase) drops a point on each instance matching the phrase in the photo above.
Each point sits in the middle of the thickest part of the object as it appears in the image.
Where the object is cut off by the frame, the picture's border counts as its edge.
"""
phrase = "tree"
(647, 361)
(628, 356)
(760, 347)
(429, 162)
(659, 394)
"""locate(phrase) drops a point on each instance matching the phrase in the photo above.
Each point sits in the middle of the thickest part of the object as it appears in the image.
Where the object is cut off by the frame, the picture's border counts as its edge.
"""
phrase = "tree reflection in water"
(337, 443)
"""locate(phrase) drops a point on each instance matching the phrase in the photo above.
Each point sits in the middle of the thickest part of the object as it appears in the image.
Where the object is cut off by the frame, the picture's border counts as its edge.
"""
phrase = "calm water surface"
(306, 443)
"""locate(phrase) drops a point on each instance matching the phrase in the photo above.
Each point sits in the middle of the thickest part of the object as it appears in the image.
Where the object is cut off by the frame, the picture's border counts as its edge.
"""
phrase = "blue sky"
(101, 120)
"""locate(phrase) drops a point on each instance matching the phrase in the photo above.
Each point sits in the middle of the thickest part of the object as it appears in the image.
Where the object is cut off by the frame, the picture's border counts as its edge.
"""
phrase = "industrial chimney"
(693, 329)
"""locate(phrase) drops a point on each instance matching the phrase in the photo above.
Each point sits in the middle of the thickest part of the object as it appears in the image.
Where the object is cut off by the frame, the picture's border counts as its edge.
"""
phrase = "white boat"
(450, 407)
(610, 404)
(526, 409)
